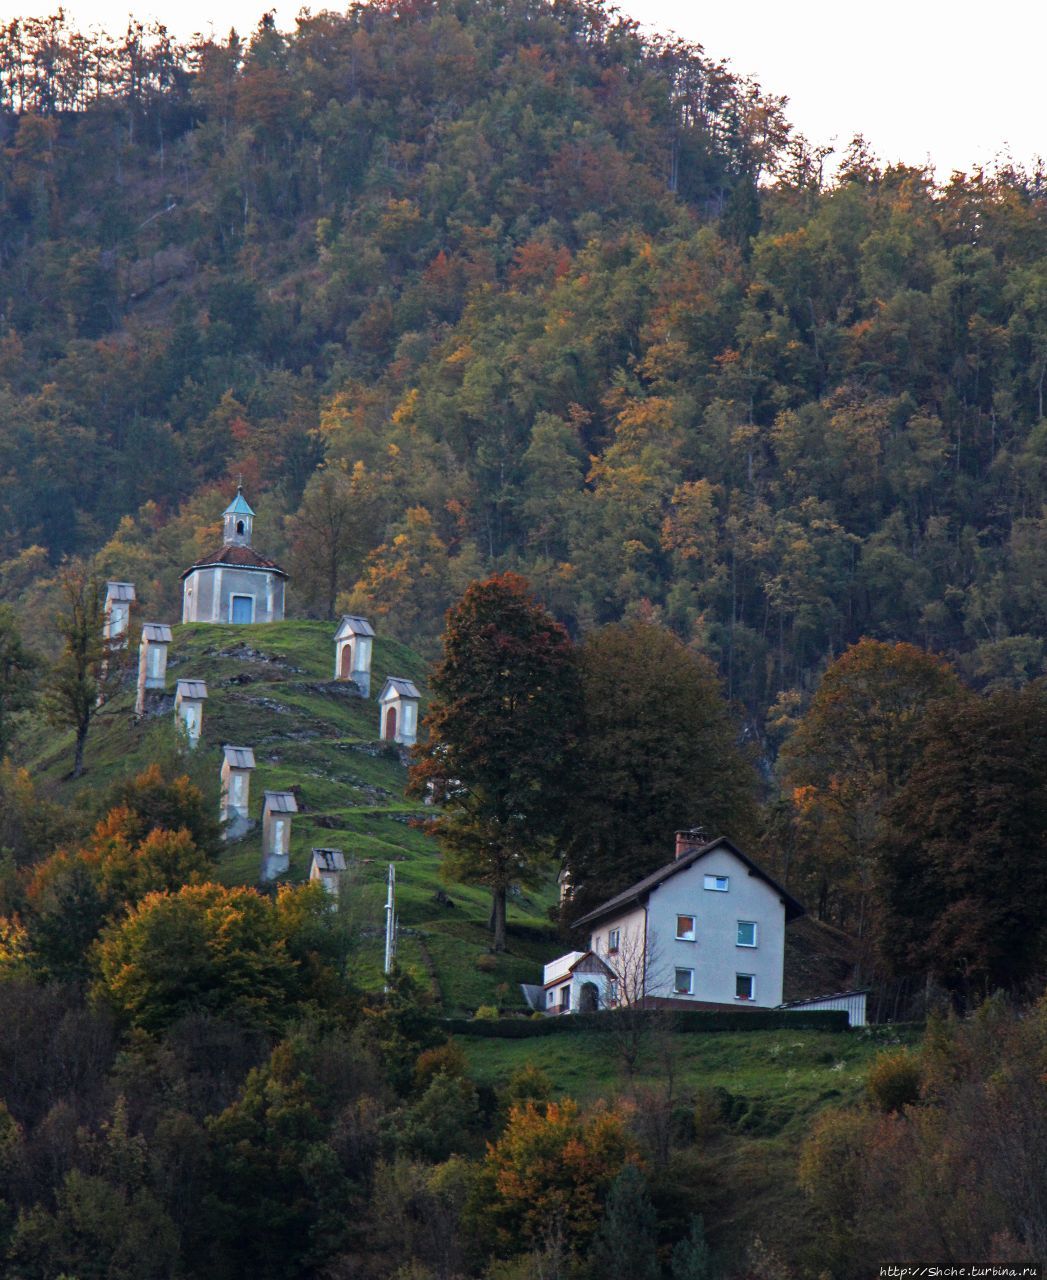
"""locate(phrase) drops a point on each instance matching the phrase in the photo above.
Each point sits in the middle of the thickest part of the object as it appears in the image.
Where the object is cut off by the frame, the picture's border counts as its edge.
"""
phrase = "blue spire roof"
(238, 506)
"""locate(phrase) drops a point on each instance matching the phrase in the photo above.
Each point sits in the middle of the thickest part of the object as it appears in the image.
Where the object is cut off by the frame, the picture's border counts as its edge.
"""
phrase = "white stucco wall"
(207, 594)
(714, 955)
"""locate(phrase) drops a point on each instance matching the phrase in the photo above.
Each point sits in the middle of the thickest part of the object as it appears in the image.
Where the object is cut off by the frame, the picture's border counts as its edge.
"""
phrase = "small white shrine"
(152, 662)
(189, 708)
(119, 597)
(237, 765)
(398, 711)
(328, 866)
(277, 811)
(352, 652)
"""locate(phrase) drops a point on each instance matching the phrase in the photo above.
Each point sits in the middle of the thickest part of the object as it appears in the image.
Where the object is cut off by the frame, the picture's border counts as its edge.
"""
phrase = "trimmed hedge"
(686, 1020)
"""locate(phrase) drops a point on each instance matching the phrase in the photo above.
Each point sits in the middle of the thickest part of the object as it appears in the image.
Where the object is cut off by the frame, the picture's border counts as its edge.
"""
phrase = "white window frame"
(692, 934)
(677, 989)
(751, 997)
(239, 595)
(714, 885)
(756, 934)
(614, 940)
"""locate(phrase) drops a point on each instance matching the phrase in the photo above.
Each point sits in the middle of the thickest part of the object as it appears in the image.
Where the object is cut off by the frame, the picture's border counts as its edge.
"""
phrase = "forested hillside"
(536, 292)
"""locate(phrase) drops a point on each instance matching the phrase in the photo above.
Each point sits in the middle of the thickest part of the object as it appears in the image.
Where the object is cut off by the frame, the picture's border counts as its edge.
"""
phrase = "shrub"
(486, 963)
(445, 1060)
(894, 1081)
(486, 1013)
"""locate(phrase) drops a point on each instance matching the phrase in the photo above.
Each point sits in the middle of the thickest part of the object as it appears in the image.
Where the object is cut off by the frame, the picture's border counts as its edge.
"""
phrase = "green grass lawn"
(270, 687)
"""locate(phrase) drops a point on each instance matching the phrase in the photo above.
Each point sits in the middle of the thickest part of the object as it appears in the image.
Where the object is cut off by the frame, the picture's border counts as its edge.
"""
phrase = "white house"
(579, 982)
(276, 832)
(189, 708)
(398, 711)
(152, 661)
(234, 583)
(119, 597)
(352, 652)
(237, 766)
(328, 866)
(707, 929)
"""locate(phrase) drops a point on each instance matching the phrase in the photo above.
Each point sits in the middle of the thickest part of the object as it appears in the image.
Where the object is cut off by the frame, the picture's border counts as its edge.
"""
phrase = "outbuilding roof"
(156, 632)
(328, 861)
(402, 688)
(238, 557)
(281, 802)
(193, 690)
(239, 757)
(638, 892)
(238, 506)
(556, 970)
(119, 591)
(351, 625)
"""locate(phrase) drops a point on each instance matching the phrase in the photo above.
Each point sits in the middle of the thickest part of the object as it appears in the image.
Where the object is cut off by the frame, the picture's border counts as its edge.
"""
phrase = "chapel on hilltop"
(235, 584)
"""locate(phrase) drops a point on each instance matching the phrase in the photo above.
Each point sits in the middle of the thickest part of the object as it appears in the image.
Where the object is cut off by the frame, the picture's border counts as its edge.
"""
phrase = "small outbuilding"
(189, 708)
(352, 652)
(398, 711)
(579, 982)
(852, 1002)
(277, 811)
(328, 866)
(152, 662)
(237, 766)
(119, 597)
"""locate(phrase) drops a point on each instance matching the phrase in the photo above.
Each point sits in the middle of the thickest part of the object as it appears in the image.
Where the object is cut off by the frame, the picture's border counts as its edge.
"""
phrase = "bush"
(486, 1013)
(445, 1060)
(486, 963)
(894, 1081)
(688, 1020)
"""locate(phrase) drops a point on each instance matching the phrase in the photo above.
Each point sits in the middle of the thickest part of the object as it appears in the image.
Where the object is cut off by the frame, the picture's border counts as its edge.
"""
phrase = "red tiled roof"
(238, 556)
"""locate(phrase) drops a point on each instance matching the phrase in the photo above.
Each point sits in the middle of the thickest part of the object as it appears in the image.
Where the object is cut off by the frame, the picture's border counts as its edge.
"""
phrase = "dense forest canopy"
(538, 292)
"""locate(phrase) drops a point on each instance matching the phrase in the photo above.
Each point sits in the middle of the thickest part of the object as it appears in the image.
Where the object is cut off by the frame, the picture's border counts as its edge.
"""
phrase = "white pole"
(390, 923)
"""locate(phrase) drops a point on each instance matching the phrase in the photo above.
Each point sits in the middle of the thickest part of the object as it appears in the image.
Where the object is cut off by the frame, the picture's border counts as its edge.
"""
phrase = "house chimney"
(690, 839)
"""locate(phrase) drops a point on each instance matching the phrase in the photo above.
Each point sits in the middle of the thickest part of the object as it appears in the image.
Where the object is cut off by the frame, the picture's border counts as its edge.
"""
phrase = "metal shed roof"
(239, 757)
(351, 625)
(280, 802)
(402, 688)
(156, 632)
(119, 591)
(194, 690)
(238, 506)
(329, 860)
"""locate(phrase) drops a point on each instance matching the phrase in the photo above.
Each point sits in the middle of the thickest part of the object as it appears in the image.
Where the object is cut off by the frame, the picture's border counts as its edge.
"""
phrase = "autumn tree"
(88, 668)
(502, 720)
(963, 850)
(658, 751)
(553, 1165)
(850, 753)
(215, 950)
(330, 532)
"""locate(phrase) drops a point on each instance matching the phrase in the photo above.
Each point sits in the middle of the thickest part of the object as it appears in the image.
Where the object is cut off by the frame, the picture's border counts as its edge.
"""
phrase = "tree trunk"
(498, 918)
(78, 759)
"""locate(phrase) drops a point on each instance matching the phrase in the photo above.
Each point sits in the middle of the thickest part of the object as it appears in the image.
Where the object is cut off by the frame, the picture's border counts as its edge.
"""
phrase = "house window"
(685, 928)
(565, 998)
(550, 999)
(683, 982)
(747, 933)
(612, 993)
(744, 986)
(614, 938)
(717, 883)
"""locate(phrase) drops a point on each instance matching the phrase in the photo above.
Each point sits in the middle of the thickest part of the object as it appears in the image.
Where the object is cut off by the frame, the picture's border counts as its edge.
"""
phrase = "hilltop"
(270, 687)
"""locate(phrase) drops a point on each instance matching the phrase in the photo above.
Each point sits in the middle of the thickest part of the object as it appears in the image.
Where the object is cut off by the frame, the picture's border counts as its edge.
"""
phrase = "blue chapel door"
(243, 609)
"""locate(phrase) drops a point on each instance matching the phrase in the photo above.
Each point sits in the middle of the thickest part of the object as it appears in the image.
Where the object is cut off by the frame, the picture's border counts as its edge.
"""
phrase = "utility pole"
(390, 925)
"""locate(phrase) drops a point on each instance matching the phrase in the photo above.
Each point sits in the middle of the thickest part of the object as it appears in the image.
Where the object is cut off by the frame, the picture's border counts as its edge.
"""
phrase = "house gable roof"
(639, 892)
(574, 961)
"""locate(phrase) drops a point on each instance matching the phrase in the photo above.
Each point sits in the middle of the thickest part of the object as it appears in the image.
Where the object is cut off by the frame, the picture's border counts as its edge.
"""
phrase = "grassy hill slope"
(270, 688)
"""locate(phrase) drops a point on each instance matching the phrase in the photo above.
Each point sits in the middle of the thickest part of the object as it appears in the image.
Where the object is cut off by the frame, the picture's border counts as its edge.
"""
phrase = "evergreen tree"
(626, 1242)
(692, 1259)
